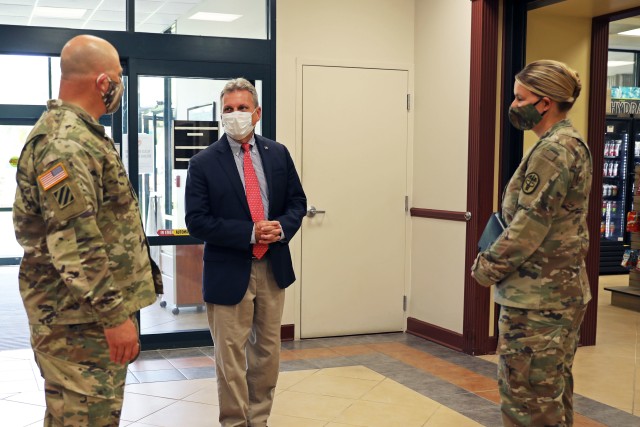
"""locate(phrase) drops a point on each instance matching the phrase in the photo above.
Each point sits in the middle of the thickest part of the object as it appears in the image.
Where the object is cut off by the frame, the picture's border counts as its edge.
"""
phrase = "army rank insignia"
(53, 176)
(530, 183)
(63, 196)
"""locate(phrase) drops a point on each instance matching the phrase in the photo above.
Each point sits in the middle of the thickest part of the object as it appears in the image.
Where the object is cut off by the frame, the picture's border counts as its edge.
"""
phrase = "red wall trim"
(437, 214)
(287, 332)
(482, 116)
(434, 333)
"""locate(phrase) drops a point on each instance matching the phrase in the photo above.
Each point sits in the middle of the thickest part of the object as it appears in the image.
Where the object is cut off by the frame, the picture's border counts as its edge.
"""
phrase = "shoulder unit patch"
(63, 196)
(530, 183)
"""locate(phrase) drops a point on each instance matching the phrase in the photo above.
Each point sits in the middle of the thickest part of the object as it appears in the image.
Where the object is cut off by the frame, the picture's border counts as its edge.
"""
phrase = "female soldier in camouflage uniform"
(537, 264)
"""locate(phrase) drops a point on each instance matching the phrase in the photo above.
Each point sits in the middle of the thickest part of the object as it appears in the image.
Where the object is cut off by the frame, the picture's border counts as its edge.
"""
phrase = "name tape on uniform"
(174, 232)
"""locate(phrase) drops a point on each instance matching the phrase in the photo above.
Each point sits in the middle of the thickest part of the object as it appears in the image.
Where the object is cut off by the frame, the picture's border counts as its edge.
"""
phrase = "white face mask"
(237, 124)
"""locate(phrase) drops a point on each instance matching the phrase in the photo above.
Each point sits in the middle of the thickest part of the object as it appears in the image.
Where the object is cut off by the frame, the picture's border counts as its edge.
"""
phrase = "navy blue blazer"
(218, 213)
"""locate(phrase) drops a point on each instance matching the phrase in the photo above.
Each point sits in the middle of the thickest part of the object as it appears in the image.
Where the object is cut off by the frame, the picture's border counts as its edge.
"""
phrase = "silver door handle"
(312, 211)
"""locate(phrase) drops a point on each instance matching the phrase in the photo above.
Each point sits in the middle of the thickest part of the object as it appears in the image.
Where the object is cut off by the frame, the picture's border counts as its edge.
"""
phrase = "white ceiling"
(617, 41)
(588, 8)
(152, 16)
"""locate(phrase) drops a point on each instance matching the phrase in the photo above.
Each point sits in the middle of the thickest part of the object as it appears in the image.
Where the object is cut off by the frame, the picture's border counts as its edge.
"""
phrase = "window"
(215, 18)
(24, 80)
(621, 69)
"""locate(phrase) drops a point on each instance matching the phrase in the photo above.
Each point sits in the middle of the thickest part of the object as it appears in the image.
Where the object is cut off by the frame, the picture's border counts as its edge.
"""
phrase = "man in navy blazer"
(243, 289)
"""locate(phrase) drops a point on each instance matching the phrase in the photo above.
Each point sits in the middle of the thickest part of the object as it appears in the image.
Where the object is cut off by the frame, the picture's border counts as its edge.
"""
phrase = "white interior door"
(354, 156)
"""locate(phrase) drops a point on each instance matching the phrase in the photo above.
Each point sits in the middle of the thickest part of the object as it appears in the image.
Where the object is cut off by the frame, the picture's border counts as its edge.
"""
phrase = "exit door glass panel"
(174, 113)
(167, 106)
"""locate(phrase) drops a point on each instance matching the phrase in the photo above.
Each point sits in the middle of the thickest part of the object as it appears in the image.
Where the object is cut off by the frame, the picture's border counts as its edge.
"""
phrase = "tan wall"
(565, 39)
(343, 32)
(440, 153)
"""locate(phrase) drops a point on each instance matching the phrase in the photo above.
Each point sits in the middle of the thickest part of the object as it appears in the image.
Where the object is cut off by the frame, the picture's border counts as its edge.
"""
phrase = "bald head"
(91, 71)
(87, 56)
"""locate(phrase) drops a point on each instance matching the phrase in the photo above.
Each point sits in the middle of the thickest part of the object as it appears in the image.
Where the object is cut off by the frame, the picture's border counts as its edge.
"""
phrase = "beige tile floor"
(347, 396)
(332, 397)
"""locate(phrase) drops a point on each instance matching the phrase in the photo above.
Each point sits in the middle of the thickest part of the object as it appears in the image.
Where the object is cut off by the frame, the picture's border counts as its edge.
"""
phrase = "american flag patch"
(53, 176)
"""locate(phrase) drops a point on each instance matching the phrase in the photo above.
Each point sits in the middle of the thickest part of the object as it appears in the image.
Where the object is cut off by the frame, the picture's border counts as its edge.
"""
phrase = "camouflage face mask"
(525, 117)
(112, 96)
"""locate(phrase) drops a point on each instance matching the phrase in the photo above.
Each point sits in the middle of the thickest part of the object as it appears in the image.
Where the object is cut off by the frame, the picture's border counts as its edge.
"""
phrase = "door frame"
(186, 69)
(296, 153)
(172, 51)
(595, 139)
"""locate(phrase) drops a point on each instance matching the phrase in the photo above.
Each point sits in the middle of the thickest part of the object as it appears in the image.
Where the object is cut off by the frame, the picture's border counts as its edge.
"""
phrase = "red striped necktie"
(252, 189)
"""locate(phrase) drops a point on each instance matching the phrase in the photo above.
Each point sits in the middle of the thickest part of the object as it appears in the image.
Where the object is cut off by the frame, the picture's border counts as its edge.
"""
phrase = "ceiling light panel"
(72, 4)
(635, 32)
(217, 17)
(618, 63)
(59, 12)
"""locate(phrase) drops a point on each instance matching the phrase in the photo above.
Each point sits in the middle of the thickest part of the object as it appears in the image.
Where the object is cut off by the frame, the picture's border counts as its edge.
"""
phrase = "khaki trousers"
(246, 341)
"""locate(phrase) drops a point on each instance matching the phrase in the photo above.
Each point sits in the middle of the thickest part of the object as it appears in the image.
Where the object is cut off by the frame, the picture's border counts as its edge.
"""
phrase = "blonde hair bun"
(553, 79)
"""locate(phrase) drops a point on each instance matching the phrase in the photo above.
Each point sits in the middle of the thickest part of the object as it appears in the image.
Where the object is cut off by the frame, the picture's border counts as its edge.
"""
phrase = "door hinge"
(404, 303)
(408, 102)
(406, 203)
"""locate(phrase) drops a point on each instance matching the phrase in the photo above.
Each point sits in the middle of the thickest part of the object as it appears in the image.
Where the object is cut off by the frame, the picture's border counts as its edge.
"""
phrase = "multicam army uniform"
(86, 263)
(537, 265)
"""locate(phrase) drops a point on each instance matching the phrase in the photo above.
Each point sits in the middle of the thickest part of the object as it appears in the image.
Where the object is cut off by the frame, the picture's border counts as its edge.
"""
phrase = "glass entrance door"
(177, 116)
(13, 138)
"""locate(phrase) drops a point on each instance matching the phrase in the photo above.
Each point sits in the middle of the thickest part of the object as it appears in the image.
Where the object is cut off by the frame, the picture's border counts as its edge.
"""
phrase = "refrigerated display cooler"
(621, 152)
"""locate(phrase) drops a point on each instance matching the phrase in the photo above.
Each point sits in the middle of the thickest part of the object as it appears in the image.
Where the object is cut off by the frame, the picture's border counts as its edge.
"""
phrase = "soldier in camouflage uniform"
(86, 267)
(537, 264)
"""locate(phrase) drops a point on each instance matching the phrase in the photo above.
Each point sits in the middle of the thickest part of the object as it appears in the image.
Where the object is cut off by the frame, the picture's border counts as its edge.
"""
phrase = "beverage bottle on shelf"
(617, 149)
(614, 207)
(606, 148)
(605, 170)
(614, 190)
(602, 227)
(612, 228)
(615, 169)
(604, 208)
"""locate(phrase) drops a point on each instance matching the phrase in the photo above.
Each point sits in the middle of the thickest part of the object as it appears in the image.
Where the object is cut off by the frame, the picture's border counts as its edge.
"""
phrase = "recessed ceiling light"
(634, 32)
(220, 17)
(59, 12)
(618, 63)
